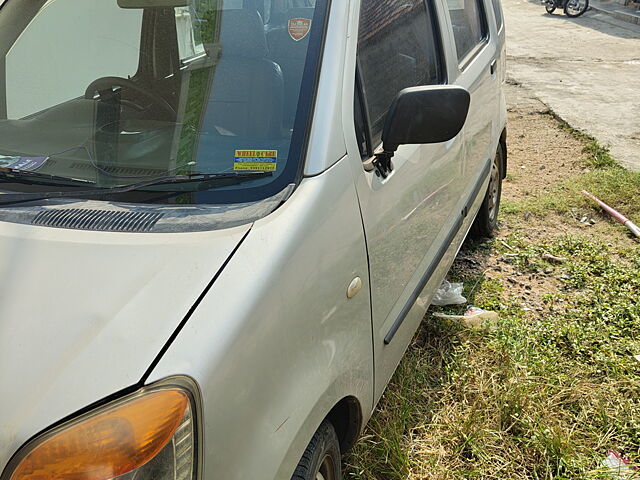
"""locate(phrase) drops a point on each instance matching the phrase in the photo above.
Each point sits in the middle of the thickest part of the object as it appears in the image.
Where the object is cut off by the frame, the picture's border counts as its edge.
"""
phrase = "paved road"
(586, 70)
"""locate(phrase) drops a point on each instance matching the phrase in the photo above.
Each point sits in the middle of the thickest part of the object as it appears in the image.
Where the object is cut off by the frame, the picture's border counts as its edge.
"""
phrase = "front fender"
(276, 342)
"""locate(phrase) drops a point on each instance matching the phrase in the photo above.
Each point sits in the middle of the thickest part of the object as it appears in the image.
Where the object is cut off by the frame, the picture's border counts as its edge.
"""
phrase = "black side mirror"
(421, 115)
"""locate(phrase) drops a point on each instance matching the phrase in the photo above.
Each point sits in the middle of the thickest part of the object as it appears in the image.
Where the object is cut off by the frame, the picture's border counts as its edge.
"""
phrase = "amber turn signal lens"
(111, 443)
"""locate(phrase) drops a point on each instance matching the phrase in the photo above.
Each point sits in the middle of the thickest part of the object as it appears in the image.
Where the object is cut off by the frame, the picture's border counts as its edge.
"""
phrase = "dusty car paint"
(264, 317)
(64, 331)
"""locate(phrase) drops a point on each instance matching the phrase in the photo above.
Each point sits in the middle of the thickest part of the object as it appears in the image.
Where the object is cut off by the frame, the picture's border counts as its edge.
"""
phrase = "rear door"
(500, 34)
(408, 215)
(477, 57)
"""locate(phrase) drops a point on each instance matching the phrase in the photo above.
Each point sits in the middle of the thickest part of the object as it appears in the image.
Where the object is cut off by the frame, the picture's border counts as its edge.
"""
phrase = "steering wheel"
(108, 83)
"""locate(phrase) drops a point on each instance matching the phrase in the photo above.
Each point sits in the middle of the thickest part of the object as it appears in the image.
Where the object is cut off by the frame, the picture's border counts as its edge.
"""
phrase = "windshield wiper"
(209, 181)
(35, 178)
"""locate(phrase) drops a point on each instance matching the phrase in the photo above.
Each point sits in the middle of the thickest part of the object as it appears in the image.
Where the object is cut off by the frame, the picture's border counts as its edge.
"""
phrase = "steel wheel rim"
(327, 469)
(494, 192)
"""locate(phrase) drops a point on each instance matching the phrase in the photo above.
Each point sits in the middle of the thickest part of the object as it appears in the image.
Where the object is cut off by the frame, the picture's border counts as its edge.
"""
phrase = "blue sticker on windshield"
(28, 164)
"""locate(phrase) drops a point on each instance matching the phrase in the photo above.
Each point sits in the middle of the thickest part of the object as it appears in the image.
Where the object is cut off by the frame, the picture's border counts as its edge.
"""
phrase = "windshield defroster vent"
(100, 220)
(135, 172)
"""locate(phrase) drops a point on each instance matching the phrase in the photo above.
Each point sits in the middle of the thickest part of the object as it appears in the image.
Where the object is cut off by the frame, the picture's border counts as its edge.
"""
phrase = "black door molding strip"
(439, 255)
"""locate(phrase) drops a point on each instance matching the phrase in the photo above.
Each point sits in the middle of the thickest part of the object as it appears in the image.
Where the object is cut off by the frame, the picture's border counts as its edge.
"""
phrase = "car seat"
(247, 92)
(291, 55)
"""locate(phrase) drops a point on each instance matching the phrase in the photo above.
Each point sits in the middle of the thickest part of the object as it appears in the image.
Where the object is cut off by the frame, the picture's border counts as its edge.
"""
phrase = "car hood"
(84, 314)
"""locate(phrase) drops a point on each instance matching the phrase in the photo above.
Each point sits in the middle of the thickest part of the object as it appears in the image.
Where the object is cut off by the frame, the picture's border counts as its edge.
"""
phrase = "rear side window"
(398, 47)
(469, 25)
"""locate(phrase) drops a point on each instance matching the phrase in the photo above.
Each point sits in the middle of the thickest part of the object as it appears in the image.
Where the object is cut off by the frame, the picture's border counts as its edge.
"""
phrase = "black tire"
(575, 8)
(321, 459)
(486, 222)
(550, 8)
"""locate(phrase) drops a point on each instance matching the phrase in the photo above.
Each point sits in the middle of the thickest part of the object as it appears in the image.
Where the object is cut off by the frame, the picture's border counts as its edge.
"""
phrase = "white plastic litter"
(475, 318)
(449, 294)
(619, 466)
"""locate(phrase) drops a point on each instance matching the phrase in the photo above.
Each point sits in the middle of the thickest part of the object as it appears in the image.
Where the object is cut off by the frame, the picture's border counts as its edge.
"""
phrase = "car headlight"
(149, 435)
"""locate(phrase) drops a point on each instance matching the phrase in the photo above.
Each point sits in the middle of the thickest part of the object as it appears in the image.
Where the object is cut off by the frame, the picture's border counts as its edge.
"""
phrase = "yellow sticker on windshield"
(255, 160)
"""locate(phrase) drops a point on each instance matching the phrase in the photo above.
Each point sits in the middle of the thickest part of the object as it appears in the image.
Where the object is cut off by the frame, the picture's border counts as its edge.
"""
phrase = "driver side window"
(68, 45)
(398, 47)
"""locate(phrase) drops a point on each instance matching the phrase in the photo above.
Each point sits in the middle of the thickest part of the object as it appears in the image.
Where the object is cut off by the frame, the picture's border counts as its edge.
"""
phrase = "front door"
(407, 215)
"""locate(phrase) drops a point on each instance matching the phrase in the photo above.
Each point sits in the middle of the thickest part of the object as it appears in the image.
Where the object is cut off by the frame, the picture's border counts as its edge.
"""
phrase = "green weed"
(616, 186)
(598, 156)
(543, 397)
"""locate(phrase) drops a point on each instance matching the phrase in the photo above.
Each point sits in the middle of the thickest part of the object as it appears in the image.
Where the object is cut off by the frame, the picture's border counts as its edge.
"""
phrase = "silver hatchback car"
(222, 221)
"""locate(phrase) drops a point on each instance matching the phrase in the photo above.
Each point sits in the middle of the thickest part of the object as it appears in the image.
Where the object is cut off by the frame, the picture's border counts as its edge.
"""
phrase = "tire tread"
(325, 438)
(482, 227)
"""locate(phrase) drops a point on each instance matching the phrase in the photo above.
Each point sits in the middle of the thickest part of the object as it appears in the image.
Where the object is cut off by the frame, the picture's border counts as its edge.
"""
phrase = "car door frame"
(471, 73)
(431, 273)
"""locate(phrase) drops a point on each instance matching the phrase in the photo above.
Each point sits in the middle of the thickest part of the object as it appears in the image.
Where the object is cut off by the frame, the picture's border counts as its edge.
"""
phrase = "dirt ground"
(541, 154)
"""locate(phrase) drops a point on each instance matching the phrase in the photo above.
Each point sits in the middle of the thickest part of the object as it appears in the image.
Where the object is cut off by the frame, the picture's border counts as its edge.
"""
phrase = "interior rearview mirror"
(420, 115)
(152, 3)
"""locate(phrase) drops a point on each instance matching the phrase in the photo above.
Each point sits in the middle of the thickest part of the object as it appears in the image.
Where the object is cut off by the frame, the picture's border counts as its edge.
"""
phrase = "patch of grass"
(599, 156)
(606, 179)
(616, 186)
(543, 397)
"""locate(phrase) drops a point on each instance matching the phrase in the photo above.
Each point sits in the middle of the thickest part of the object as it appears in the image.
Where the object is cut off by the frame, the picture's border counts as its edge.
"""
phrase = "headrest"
(242, 34)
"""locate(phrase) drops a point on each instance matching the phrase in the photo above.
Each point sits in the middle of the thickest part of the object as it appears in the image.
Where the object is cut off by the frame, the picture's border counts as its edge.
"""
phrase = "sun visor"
(152, 3)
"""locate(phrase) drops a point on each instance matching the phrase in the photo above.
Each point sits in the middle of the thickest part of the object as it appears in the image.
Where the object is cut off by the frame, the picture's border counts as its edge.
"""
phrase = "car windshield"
(109, 93)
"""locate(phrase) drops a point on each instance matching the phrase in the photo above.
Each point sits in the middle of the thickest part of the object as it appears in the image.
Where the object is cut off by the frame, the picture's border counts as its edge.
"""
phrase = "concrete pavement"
(616, 10)
(587, 70)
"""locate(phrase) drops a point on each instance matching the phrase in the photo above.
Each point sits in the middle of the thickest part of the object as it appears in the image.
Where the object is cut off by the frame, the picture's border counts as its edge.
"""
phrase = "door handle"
(494, 64)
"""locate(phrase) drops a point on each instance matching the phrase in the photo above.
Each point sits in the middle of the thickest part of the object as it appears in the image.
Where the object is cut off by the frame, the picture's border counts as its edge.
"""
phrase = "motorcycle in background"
(572, 8)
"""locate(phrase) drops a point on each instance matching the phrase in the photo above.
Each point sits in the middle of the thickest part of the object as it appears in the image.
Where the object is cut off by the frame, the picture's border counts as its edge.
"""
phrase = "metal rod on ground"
(615, 214)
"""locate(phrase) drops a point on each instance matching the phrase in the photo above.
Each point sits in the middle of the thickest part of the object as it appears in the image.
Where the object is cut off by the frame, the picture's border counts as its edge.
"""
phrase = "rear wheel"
(321, 459)
(486, 221)
(550, 7)
(575, 8)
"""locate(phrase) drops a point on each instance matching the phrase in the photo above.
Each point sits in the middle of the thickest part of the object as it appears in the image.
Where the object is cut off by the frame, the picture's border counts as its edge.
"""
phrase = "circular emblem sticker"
(299, 28)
